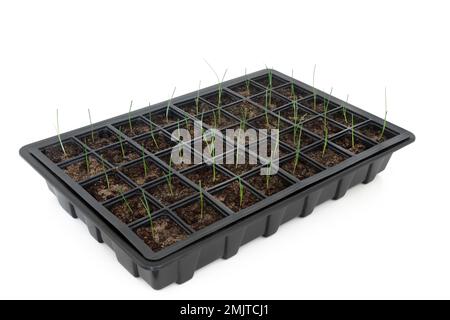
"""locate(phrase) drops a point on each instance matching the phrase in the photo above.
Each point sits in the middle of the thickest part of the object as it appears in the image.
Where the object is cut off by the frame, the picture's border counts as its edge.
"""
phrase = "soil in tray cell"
(318, 105)
(265, 81)
(218, 120)
(143, 174)
(231, 197)
(291, 137)
(192, 108)
(197, 219)
(268, 185)
(269, 122)
(165, 233)
(345, 118)
(273, 101)
(131, 208)
(177, 166)
(301, 169)
(297, 115)
(120, 154)
(374, 132)
(156, 142)
(244, 110)
(247, 90)
(225, 98)
(137, 127)
(84, 168)
(298, 93)
(162, 119)
(206, 175)
(329, 159)
(56, 153)
(100, 138)
(104, 189)
(346, 142)
(170, 191)
(317, 126)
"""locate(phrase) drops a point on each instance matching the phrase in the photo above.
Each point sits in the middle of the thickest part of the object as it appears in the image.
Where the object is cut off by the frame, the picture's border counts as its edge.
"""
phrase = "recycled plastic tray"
(221, 239)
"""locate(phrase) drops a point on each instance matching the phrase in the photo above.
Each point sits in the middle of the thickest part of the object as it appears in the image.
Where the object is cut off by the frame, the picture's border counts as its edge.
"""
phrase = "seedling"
(169, 177)
(272, 154)
(125, 201)
(86, 159)
(201, 199)
(242, 126)
(149, 212)
(314, 88)
(169, 102)
(129, 116)
(293, 95)
(219, 87)
(121, 145)
(325, 143)
(325, 109)
(297, 149)
(59, 134)
(266, 108)
(104, 172)
(269, 77)
(152, 133)
(353, 133)
(344, 111)
(92, 126)
(241, 192)
(144, 163)
(197, 98)
(385, 115)
(247, 83)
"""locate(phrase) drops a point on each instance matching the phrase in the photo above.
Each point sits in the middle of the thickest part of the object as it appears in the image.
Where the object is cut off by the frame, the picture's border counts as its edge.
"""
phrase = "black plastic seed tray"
(184, 243)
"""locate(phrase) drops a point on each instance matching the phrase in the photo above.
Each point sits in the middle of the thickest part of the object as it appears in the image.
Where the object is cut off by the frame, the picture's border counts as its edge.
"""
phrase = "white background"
(387, 239)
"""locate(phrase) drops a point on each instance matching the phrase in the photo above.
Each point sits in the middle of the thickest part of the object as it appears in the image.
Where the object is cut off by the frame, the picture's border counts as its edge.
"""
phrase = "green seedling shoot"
(241, 192)
(202, 204)
(266, 109)
(144, 163)
(344, 111)
(353, 133)
(169, 102)
(385, 115)
(92, 126)
(269, 78)
(59, 134)
(271, 155)
(325, 109)
(121, 145)
(149, 212)
(242, 126)
(325, 137)
(169, 177)
(297, 149)
(125, 201)
(129, 116)
(197, 98)
(219, 86)
(152, 131)
(104, 172)
(293, 95)
(86, 159)
(314, 88)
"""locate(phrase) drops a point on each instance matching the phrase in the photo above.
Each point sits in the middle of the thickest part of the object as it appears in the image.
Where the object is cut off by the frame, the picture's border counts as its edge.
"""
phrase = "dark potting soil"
(205, 174)
(286, 91)
(166, 232)
(240, 169)
(162, 142)
(78, 170)
(339, 117)
(218, 120)
(132, 209)
(244, 110)
(161, 120)
(319, 105)
(177, 166)
(230, 196)
(189, 126)
(288, 137)
(225, 98)
(242, 89)
(273, 101)
(275, 81)
(100, 191)
(302, 170)
(117, 157)
(346, 143)
(56, 153)
(137, 127)
(317, 126)
(102, 138)
(193, 216)
(276, 183)
(374, 132)
(136, 172)
(261, 123)
(192, 108)
(169, 194)
(301, 116)
(329, 159)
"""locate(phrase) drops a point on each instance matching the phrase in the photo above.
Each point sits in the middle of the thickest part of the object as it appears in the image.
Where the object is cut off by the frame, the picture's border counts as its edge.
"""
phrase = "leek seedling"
(169, 177)
(197, 99)
(125, 201)
(353, 134)
(219, 86)
(314, 88)
(297, 149)
(129, 116)
(344, 111)
(59, 134)
(86, 159)
(149, 212)
(169, 102)
(247, 83)
(241, 192)
(266, 109)
(152, 132)
(104, 172)
(242, 126)
(385, 116)
(325, 137)
(269, 78)
(293, 95)
(121, 145)
(201, 200)
(271, 155)
(92, 126)
(325, 109)
(144, 163)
